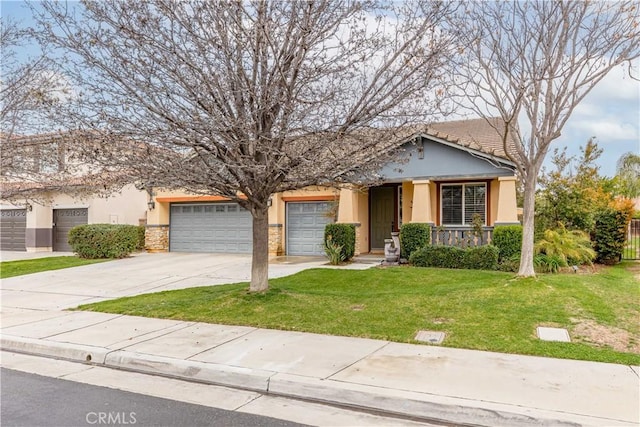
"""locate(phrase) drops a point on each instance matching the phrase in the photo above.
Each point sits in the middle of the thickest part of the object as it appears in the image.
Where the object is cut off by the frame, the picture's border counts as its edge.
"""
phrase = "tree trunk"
(526, 255)
(260, 258)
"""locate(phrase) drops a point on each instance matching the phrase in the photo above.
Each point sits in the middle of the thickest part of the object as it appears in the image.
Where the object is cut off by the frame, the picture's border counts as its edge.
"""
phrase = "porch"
(448, 206)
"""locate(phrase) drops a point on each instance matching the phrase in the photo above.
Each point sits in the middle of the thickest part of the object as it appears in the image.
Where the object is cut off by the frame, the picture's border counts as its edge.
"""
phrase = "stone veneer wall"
(358, 239)
(275, 240)
(156, 238)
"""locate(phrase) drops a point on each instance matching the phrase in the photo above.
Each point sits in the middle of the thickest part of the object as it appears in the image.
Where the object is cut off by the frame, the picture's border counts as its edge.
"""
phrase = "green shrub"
(571, 247)
(438, 256)
(104, 240)
(413, 236)
(508, 239)
(481, 258)
(511, 264)
(342, 235)
(609, 235)
(546, 263)
(141, 239)
(333, 252)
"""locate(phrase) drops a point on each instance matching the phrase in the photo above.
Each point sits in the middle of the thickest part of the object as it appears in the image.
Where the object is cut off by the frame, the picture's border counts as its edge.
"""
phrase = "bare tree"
(532, 63)
(250, 98)
(29, 90)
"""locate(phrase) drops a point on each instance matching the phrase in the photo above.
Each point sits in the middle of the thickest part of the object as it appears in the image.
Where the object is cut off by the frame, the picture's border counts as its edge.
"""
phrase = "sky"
(610, 113)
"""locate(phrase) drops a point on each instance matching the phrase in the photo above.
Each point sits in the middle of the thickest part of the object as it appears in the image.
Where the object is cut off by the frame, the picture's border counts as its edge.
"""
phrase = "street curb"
(402, 403)
(62, 350)
(210, 373)
(406, 404)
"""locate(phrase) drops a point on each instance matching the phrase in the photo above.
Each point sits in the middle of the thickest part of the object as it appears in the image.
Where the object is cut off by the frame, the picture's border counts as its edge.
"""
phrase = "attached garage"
(210, 227)
(305, 227)
(63, 221)
(13, 225)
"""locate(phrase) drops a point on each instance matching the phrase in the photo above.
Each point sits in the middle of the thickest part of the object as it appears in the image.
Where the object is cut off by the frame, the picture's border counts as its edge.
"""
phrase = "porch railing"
(464, 237)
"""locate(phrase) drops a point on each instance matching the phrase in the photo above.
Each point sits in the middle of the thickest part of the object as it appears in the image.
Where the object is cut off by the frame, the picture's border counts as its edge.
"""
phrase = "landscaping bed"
(484, 310)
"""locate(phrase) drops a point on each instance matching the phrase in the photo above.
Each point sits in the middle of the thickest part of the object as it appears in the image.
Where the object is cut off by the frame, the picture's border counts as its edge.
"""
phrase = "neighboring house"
(47, 188)
(454, 170)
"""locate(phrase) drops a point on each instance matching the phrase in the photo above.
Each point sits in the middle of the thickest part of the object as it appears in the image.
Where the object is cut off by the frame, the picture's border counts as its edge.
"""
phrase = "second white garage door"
(212, 227)
(305, 227)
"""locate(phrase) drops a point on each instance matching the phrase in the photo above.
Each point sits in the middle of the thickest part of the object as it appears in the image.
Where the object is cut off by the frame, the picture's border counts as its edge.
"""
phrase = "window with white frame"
(460, 202)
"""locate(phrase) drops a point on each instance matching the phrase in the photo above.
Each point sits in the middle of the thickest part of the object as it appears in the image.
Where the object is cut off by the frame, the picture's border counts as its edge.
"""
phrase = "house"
(48, 188)
(453, 171)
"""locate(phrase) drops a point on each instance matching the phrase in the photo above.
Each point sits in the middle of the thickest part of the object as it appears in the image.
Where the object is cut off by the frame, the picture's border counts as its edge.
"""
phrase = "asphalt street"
(29, 400)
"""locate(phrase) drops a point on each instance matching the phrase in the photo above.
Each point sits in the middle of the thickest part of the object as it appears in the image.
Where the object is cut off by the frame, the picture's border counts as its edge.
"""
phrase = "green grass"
(477, 309)
(28, 266)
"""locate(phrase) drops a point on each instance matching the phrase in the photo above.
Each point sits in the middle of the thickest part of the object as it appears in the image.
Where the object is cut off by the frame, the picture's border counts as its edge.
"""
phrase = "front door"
(382, 217)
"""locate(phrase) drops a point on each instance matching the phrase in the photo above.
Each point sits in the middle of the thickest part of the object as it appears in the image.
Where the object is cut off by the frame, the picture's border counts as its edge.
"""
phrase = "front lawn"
(28, 266)
(481, 310)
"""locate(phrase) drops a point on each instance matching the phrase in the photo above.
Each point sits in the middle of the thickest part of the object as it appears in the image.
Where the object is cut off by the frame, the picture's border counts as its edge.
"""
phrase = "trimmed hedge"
(508, 239)
(609, 236)
(104, 240)
(141, 238)
(478, 258)
(413, 236)
(481, 258)
(438, 256)
(343, 235)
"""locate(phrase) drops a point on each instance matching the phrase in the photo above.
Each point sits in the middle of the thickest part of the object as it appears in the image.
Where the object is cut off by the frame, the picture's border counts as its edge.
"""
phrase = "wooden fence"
(464, 237)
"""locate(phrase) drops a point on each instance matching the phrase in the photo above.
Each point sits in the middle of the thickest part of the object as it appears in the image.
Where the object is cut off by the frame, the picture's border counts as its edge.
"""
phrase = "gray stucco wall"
(440, 162)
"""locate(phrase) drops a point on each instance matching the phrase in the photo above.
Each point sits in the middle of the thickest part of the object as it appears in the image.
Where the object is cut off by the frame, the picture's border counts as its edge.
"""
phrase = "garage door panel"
(220, 227)
(305, 227)
(64, 220)
(13, 224)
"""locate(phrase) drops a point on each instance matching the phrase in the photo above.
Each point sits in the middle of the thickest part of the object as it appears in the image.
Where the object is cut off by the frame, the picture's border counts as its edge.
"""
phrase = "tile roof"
(477, 134)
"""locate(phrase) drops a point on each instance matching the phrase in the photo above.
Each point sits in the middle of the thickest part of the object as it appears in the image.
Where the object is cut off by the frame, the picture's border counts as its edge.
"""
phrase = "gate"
(632, 245)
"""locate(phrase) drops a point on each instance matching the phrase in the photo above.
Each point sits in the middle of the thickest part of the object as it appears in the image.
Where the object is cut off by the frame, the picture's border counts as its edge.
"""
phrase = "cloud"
(611, 113)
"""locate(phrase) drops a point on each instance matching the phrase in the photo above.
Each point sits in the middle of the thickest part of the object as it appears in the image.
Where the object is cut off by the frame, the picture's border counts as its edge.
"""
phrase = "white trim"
(463, 184)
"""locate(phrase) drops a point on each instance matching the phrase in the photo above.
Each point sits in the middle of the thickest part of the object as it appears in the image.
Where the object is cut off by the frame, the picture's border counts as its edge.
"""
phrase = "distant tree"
(573, 192)
(249, 98)
(534, 62)
(628, 174)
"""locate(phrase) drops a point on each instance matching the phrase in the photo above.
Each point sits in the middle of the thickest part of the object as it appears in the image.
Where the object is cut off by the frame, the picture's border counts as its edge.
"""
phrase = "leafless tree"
(532, 63)
(29, 90)
(249, 98)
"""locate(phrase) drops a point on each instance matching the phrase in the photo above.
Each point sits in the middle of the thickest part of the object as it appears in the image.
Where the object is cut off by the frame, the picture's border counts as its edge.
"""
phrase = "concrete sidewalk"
(427, 382)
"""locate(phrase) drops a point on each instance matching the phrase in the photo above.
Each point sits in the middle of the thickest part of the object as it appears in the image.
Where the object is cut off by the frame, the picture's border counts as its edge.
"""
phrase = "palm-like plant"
(568, 246)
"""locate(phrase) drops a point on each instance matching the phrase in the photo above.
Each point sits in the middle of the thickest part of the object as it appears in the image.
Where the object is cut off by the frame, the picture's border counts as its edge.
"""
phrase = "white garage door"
(305, 227)
(210, 227)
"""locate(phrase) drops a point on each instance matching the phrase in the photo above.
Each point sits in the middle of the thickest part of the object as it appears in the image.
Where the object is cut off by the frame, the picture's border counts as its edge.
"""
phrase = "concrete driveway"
(141, 273)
